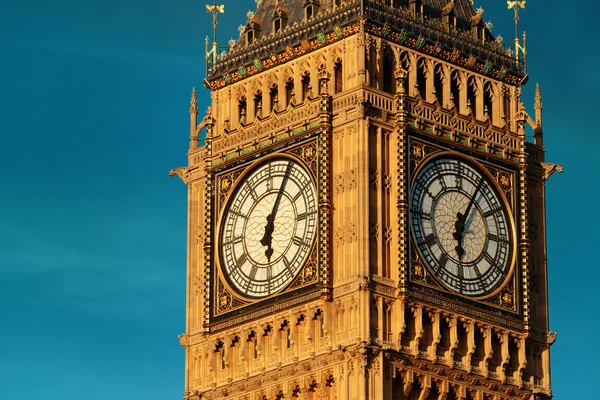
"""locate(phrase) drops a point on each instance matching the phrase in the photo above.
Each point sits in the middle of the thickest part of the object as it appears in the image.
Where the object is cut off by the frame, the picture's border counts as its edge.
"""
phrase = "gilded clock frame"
(224, 301)
(506, 296)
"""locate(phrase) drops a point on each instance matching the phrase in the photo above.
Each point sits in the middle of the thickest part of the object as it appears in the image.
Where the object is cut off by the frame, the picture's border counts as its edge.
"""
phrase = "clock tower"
(366, 217)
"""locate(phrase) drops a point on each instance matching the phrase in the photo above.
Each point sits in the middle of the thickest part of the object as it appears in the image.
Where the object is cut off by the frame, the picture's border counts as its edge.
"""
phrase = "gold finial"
(194, 102)
(215, 10)
(516, 5)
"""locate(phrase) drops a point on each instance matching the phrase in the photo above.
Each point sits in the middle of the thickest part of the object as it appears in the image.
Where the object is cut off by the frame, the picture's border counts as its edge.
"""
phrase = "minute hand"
(268, 236)
(470, 205)
(460, 222)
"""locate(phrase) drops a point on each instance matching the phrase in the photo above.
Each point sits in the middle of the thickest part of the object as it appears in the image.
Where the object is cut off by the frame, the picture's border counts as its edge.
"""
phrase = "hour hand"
(268, 237)
(459, 229)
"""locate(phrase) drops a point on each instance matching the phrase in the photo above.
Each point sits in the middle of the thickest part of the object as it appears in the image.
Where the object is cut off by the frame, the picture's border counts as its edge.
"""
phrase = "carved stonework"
(363, 94)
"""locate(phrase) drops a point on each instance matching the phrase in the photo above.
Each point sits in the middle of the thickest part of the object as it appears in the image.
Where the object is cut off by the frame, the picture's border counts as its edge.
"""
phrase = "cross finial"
(516, 5)
(215, 10)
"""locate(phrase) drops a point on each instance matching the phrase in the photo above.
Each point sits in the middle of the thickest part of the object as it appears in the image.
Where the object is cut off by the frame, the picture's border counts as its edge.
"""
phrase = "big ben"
(366, 217)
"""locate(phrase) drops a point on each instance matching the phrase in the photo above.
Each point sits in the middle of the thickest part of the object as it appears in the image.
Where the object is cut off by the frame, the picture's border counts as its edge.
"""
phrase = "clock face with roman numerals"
(461, 227)
(268, 228)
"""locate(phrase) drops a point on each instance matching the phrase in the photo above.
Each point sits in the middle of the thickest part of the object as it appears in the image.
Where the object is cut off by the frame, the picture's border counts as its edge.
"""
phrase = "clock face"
(461, 226)
(268, 228)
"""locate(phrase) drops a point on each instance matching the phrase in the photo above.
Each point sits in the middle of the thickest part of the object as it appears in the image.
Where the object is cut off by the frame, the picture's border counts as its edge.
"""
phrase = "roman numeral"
(496, 239)
(443, 260)
(489, 258)
(297, 240)
(303, 216)
(251, 191)
(286, 262)
(235, 240)
(491, 212)
(270, 182)
(253, 272)
(239, 214)
(426, 216)
(438, 172)
(242, 260)
(430, 239)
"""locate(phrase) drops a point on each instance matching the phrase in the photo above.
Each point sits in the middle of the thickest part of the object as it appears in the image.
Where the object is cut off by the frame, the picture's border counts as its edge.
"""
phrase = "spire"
(538, 97)
(193, 121)
(194, 102)
(538, 106)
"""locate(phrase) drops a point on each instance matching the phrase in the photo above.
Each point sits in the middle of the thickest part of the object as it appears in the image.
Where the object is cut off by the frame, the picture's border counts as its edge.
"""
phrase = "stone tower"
(366, 216)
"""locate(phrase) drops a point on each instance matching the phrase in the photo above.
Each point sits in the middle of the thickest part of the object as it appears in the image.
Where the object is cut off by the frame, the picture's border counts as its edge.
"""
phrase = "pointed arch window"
(253, 343)
(455, 91)
(258, 104)
(338, 3)
(421, 79)
(289, 91)
(389, 64)
(273, 97)
(507, 105)
(405, 64)
(319, 324)
(286, 334)
(242, 109)
(438, 85)
(472, 96)
(488, 101)
(338, 77)
(305, 85)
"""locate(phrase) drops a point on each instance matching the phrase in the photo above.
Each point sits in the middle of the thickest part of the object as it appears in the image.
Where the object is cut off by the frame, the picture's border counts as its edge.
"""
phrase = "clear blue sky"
(94, 99)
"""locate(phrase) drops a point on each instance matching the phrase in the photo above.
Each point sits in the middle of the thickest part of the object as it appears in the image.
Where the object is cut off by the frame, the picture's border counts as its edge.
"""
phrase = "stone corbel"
(504, 339)
(487, 343)
(461, 392)
(443, 388)
(437, 337)
(417, 311)
(451, 319)
(409, 379)
(425, 387)
(470, 329)
(522, 359)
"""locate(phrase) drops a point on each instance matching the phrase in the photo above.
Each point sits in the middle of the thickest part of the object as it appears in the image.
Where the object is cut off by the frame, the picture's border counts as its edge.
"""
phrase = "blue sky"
(94, 100)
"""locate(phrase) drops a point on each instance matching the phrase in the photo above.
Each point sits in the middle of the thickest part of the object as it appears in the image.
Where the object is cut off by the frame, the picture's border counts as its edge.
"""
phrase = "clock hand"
(459, 225)
(268, 236)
